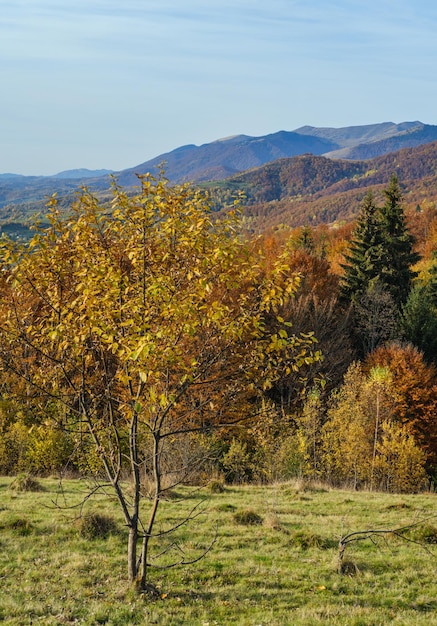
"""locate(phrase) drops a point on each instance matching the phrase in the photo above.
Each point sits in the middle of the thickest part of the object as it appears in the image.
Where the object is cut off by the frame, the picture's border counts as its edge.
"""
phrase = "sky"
(111, 84)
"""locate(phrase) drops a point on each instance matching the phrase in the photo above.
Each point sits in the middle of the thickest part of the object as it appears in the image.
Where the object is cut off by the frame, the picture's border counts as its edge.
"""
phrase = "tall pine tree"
(396, 272)
(381, 251)
(364, 260)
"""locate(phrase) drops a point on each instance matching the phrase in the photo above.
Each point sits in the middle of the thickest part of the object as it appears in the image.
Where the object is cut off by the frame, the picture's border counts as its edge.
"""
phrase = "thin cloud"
(120, 82)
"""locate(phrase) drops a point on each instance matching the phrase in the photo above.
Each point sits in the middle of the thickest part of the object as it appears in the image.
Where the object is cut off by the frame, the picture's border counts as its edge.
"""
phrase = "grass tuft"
(24, 483)
(248, 517)
(216, 486)
(225, 507)
(425, 534)
(306, 539)
(20, 526)
(272, 521)
(96, 526)
(348, 568)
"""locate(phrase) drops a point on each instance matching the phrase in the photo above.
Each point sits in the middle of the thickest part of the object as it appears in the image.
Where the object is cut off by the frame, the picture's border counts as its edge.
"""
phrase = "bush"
(238, 463)
(48, 449)
(96, 526)
(248, 517)
(25, 482)
(216, 486)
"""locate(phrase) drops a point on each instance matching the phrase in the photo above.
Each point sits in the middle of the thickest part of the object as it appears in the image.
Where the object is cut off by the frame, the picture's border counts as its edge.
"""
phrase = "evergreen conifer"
(381, 251)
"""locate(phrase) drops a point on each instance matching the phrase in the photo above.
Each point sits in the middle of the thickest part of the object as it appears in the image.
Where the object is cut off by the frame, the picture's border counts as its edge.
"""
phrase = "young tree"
(309, 424)
(148, 324)
(347, 434)
(363, 441)
(399, 462)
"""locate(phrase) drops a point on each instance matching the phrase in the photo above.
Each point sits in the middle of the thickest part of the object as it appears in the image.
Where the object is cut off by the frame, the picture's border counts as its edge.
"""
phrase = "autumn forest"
(154, 339)
(353, 312)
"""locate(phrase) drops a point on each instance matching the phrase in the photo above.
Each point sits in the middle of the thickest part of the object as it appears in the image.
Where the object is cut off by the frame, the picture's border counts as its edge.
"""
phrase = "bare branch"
(372, 534)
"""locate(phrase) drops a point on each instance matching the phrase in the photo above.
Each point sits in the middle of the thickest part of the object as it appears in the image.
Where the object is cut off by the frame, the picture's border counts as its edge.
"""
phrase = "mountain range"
(225, 157)
(301, 165)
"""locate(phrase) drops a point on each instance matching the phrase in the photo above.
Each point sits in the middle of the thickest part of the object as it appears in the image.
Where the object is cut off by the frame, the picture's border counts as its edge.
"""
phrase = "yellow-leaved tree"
(363, 444)
(146, 321)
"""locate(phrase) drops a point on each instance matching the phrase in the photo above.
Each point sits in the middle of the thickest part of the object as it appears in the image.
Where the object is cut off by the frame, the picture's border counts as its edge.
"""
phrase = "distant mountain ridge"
(331, 153)
(353, 135)
(226, 157)
(81, 173)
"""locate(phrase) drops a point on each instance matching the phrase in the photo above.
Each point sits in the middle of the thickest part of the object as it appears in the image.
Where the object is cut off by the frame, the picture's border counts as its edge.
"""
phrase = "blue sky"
(105, 84)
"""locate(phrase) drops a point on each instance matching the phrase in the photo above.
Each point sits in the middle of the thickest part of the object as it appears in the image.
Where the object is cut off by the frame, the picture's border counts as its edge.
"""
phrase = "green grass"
(277, 572)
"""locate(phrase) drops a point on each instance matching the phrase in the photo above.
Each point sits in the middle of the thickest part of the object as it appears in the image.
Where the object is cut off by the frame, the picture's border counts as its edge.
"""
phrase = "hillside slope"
(309, 189)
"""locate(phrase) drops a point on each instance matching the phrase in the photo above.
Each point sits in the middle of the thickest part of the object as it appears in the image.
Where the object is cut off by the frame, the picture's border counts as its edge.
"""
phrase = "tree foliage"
(414, 392)
(419, 315)
(364, 444)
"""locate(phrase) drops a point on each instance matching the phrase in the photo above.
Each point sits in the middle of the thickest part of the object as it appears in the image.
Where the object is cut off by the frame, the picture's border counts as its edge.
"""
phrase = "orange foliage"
(415, 402)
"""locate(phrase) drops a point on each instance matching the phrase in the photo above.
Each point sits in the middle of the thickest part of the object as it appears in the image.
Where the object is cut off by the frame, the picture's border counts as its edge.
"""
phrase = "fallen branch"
(362, 535)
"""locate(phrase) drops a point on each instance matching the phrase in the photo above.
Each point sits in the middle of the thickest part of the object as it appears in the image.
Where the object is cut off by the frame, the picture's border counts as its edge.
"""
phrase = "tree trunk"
(132, 551)
(157, 495)
(145, 547)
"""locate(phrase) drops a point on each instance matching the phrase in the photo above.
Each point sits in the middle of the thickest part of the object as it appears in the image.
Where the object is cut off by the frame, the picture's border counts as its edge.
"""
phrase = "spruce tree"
(365, 257)
(396, 272)
(419, 320)
(381, 251)
(378, 274)
(419, 315)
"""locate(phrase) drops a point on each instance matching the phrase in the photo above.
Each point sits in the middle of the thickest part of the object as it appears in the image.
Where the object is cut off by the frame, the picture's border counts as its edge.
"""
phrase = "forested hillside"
(307, 188)
(299, 329)
(312, 190)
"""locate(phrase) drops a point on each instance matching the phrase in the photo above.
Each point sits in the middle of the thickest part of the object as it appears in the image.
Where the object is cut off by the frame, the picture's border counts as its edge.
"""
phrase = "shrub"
(96, 526)
(49, 449)
(216, 486)
(25, 482)
(248, 517)
(237, 463)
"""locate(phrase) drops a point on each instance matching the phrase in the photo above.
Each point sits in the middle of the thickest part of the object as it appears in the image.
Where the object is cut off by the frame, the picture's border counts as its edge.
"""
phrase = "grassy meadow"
(274, 560)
